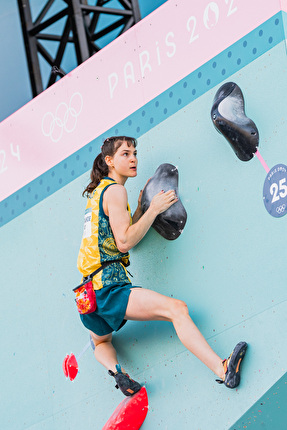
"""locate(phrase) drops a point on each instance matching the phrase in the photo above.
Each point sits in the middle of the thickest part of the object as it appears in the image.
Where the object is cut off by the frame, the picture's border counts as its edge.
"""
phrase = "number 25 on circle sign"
(275, 191)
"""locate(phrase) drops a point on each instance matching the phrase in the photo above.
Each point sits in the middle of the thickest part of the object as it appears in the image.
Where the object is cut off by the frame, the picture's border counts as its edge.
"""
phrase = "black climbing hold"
(170, 223)
(228, 116)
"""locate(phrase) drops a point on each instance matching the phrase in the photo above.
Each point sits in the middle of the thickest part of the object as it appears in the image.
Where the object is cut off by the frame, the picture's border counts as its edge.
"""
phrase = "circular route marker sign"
(275, 191)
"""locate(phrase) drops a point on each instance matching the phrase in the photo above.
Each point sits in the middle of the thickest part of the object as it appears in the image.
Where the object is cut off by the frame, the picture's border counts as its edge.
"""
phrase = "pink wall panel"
(152, 56)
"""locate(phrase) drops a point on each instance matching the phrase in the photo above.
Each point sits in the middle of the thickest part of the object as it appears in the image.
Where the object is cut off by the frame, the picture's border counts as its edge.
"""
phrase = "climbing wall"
(157, 83)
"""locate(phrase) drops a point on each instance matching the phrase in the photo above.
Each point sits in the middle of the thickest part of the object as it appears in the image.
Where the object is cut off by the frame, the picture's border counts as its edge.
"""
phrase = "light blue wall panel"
(228, 265)
(269, 412)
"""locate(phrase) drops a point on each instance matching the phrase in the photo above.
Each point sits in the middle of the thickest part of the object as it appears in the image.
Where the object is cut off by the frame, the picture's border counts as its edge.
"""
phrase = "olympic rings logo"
(65, 118)
(281, 209)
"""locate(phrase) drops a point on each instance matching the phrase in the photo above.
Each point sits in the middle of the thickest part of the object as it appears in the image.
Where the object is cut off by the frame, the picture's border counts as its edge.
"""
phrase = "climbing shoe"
(127, 385)
(232, 366)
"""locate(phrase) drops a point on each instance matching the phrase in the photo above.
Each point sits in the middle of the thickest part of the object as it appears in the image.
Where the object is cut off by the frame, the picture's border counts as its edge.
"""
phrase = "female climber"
(109, 233)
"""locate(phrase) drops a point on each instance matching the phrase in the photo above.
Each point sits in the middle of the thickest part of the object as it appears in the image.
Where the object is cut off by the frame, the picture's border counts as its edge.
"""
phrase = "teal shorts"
(112, 303)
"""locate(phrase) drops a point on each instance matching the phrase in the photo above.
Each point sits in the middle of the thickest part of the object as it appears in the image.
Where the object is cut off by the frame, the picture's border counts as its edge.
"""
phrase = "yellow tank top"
(98, 244)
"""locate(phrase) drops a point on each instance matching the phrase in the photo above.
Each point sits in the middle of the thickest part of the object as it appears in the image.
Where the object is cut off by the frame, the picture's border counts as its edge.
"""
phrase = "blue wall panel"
(228, 265)
(269, 412)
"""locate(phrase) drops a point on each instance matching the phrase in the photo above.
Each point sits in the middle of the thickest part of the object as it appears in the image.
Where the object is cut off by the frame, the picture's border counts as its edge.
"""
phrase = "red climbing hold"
(65, 367)
(70, 366)
(130, 414)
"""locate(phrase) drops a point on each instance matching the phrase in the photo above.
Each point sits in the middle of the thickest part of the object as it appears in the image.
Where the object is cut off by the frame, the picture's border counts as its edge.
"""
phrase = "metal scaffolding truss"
(81, 28)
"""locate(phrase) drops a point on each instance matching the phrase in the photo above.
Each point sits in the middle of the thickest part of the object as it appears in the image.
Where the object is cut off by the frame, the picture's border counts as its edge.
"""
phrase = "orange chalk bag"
(85, 298)
(85, 294)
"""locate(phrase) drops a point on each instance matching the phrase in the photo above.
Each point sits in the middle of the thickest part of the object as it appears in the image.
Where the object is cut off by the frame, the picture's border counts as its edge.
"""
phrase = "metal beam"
(80, 35)
(82, 20)
(105, 10)
(30, 47)
(136, 10)
(44, 12)
(35, 29)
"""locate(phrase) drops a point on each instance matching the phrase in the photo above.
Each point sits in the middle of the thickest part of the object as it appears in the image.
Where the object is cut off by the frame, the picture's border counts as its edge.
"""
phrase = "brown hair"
(100, 168)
